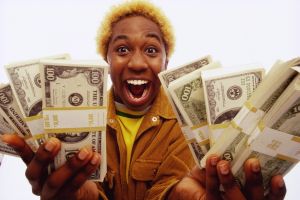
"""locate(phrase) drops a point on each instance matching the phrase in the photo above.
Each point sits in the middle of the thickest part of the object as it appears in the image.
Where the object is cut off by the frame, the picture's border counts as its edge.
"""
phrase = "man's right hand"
(204, 184)
(67, 182)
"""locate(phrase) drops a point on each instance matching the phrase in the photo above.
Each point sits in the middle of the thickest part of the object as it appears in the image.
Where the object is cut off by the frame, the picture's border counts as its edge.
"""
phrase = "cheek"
(158, 67)
(114, 74)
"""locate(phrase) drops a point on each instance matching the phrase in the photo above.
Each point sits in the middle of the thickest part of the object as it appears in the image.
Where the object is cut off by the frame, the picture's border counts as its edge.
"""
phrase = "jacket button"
(111, 121)
(154, 172)
(154, 119)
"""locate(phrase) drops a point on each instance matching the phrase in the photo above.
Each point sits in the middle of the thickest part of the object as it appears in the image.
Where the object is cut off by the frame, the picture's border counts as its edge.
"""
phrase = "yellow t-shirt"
(130, 122)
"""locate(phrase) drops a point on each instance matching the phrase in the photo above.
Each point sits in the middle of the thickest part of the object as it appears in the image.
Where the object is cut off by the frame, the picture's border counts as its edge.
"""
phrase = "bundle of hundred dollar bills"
(239, 114)
(57, 97)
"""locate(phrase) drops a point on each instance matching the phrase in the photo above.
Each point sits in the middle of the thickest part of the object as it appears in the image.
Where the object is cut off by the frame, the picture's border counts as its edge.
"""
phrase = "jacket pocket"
(145, 170)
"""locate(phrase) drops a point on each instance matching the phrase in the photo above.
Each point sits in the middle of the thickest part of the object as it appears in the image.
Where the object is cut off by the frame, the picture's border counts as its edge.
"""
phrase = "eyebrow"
(125, 37)
(154, 35)
(120, 37)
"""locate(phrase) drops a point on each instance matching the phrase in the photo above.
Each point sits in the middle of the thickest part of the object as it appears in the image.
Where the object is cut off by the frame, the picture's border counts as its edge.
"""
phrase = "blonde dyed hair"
(134, 8)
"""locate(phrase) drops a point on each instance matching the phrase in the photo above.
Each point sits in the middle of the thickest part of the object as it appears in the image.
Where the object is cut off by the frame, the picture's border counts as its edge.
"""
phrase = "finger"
(61, 176)
(80, 178)
(254, 182)
(36, 171)
(198, 174)
(19, 145)
(212, 179)
(228, 182)
(187, 188)
(278, 189)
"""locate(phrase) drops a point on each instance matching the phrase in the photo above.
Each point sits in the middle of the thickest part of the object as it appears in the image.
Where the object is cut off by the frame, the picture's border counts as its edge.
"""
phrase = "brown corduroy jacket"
(160, 155)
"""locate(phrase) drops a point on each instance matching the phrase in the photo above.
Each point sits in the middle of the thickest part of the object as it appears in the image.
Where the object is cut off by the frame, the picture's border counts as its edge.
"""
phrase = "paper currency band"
(296, 139)
(250, 106)
(234, 125)
(76, 130)
(66, 119)
(201, 143)
(199, 125)
(287, 158)
(204, 142)
(276, 143)
(261, 125)
(219, 126)
(76, 108)
(134, 8)
(32, 118)
(246, 115)
(39, 136)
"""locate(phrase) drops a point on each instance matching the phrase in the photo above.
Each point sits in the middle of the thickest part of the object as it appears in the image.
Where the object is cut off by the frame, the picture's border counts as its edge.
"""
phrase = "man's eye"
(151, 50)
(122, 50)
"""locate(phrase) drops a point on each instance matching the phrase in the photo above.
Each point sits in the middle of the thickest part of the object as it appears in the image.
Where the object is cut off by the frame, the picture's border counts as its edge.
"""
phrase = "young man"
(146, 151)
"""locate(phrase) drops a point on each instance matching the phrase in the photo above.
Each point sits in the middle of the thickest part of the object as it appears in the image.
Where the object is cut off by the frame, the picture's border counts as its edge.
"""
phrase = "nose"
(137, 62)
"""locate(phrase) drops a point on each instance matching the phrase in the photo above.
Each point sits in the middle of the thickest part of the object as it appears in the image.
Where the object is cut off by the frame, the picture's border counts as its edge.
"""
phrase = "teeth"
(137, 82)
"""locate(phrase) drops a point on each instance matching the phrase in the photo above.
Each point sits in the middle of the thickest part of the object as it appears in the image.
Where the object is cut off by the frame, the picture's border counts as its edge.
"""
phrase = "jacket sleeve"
(176, 164)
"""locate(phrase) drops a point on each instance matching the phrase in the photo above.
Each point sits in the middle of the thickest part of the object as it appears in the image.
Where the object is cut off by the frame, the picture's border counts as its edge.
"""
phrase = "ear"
(166, 64)
(107, 60)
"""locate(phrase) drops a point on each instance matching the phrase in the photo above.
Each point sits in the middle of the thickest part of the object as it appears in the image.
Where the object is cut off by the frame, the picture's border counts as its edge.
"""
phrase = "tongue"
(137, 90)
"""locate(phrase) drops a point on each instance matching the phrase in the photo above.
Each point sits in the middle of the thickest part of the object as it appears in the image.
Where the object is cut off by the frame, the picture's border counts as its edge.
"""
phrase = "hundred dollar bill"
(225, 92)
(187, 94)
(283, 116)
(11, 114)
(26, 84)
(75, 103)
(234, 138)
(5, 128)
(168, 76)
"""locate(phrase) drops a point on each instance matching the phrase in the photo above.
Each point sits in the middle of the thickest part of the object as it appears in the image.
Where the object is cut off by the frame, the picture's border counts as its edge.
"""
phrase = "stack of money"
(243, 114)
(12, 120)
(25, 82)
(167, 77)
(187, 94)
(74, 108)
(278, 129)
(57, 97)
(5, 128)
(211, 96)
(266, 126)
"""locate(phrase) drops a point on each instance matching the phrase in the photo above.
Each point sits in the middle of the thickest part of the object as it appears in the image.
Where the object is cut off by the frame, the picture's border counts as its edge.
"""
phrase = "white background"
(235, 32)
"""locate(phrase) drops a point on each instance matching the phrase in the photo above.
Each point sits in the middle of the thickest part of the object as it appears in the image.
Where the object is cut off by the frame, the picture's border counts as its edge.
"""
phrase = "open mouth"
(138, 89)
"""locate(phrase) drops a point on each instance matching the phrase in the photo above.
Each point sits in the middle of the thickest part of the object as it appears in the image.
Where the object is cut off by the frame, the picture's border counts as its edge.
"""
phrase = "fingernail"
(224, 169)
(255, 166)
(50, 144)
(83, 153)
(95, 159)
(281, 183)
(214, 160)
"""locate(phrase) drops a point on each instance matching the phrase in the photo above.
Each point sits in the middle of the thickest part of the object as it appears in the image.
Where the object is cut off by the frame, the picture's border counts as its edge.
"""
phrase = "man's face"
(136, 54)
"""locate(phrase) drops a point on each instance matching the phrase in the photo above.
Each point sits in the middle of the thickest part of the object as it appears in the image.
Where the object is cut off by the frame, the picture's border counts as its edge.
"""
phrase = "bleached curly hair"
(134, 8)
